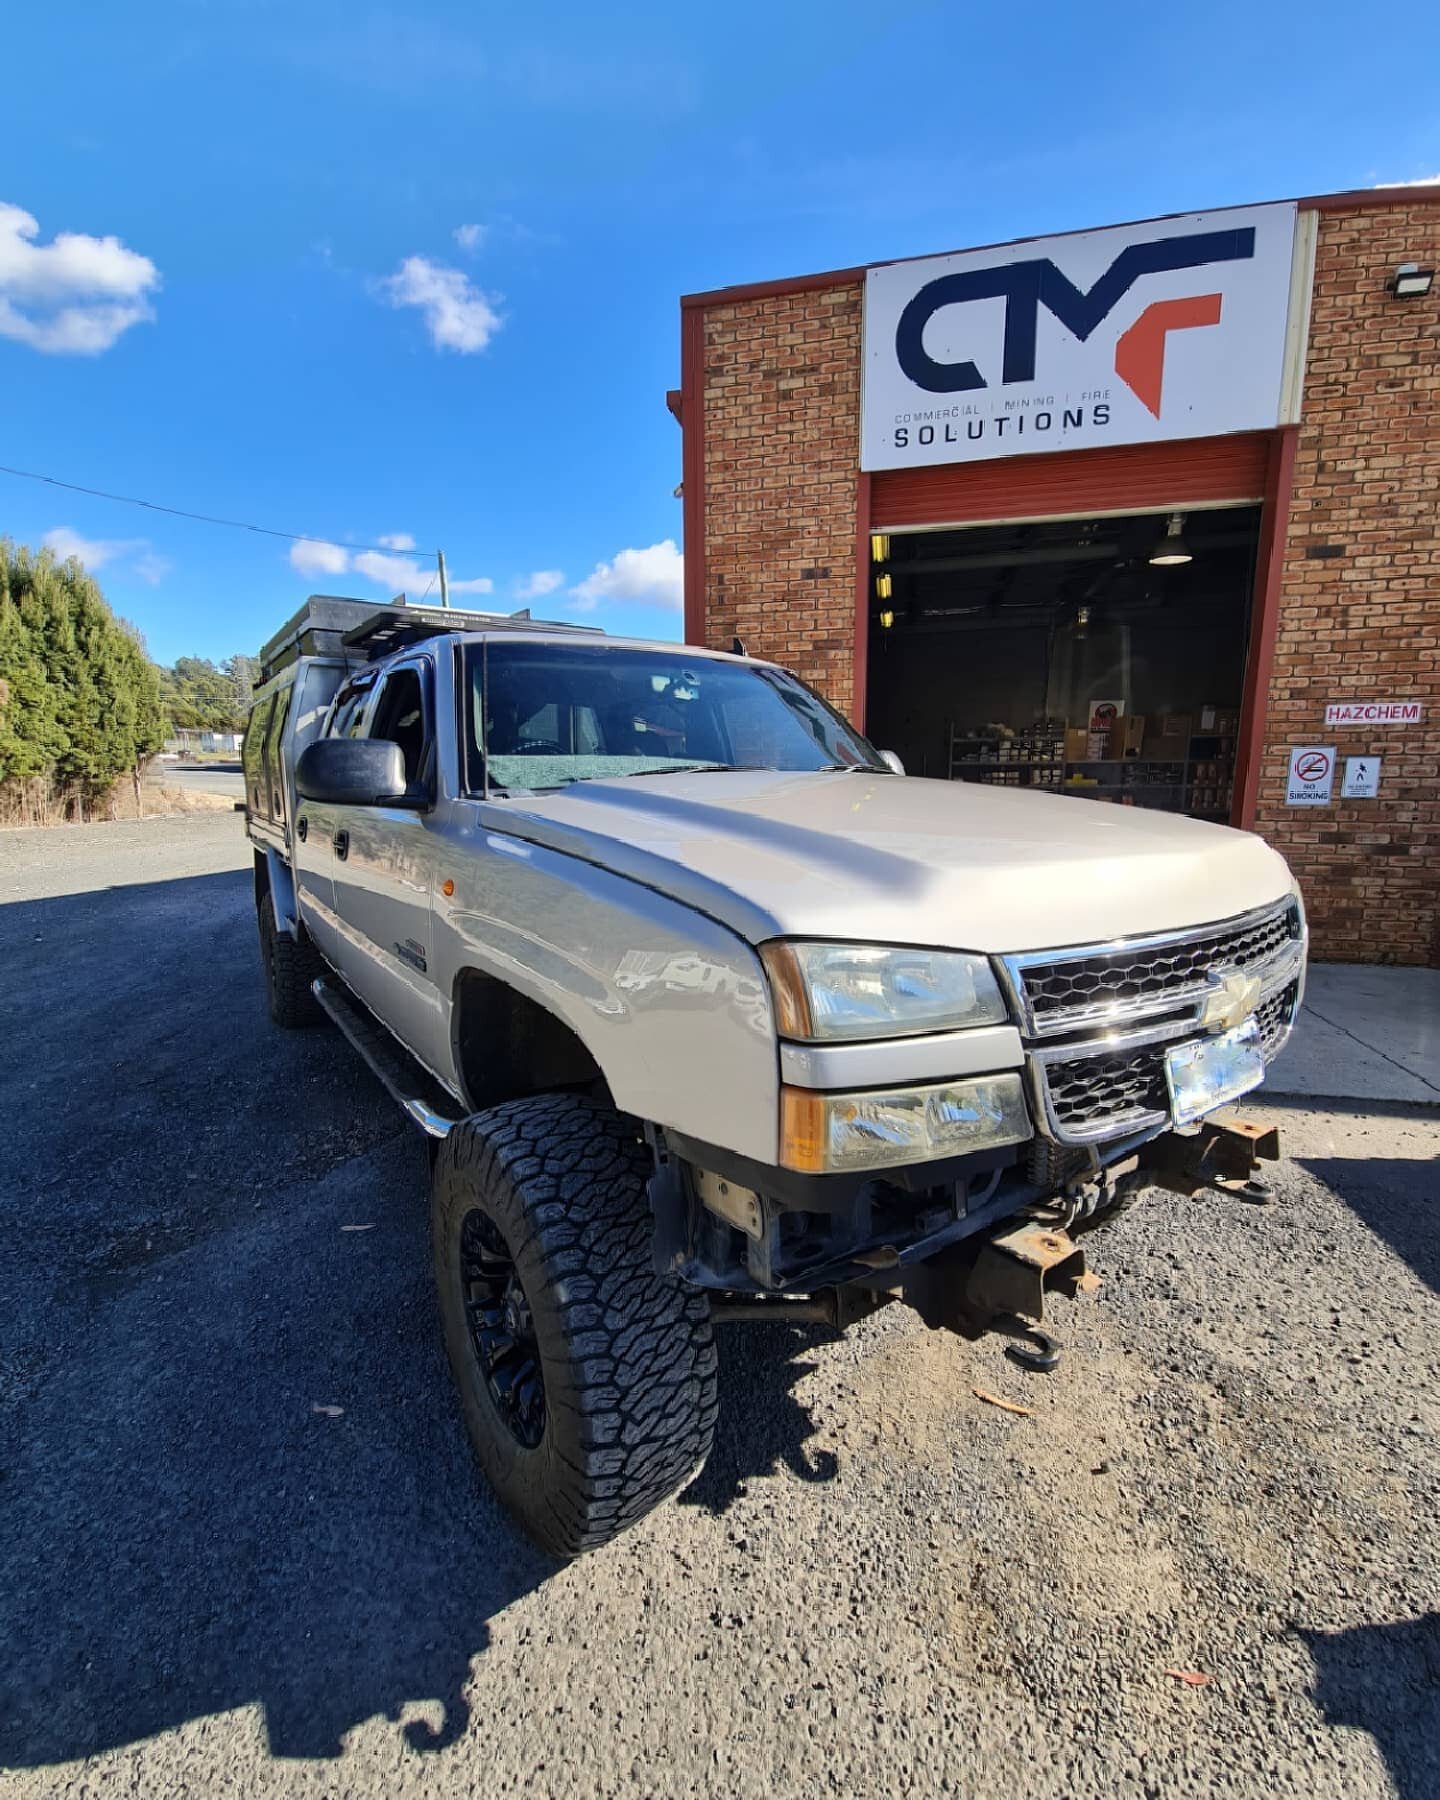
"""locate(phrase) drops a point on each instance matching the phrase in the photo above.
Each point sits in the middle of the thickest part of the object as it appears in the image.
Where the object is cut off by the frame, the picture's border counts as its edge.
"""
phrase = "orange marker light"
(802, 1130)
(447, 888)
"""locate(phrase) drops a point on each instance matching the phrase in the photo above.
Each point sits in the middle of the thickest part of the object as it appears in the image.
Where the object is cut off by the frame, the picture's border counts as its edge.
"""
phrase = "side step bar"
(419, 1094)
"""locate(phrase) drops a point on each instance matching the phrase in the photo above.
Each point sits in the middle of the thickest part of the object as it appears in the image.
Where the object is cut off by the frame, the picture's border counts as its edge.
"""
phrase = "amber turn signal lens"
(802, 1131)
(447, 888)
(787, 985)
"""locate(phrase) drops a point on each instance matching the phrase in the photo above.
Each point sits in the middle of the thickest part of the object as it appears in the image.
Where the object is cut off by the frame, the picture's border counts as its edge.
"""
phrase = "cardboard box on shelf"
(1130, 732)
(1167, 735)
(1077, 743)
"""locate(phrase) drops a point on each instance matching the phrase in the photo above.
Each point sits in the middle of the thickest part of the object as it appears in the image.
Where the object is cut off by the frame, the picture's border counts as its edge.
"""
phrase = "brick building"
(1126, 514)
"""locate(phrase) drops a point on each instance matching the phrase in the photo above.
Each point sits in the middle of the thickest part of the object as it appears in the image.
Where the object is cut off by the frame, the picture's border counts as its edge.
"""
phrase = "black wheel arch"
(508, 1046)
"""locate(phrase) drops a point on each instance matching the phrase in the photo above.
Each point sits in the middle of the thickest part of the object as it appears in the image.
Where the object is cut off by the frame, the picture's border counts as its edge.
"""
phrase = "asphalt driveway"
(243, 1548)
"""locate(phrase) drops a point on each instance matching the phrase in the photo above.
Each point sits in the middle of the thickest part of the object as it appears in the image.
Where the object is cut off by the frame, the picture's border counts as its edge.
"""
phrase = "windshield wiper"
(698, 768)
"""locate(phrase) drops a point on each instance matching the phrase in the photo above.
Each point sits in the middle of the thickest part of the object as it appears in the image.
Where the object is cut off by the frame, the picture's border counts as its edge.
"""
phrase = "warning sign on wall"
(1361, 780)
(1312, 774)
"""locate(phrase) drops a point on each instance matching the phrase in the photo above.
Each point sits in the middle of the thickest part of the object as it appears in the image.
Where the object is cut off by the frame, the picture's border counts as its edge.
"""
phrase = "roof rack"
(391, 628)
(354, 630)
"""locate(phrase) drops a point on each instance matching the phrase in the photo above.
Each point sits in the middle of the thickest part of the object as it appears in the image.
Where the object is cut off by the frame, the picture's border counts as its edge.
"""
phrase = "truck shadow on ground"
(232, 1470)
(1385, 1679)
(762, 1426)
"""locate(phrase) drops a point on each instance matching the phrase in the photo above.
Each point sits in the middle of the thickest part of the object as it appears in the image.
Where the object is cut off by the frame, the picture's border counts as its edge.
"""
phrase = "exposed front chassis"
(991, 1253)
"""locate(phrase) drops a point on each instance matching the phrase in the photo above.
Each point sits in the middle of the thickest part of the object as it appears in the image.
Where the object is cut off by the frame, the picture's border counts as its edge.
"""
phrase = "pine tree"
(80, 701)
(31, 739)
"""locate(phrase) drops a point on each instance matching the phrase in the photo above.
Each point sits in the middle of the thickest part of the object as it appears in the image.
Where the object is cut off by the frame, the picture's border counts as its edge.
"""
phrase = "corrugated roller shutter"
(1125, 478)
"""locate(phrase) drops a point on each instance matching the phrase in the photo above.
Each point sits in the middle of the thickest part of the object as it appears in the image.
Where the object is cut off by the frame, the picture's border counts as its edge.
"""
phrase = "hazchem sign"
(1374, 712)
(1312, 774)
(1171, 329)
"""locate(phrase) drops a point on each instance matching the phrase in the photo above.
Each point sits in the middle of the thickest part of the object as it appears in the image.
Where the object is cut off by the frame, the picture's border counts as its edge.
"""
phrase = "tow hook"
(1042, 1353)
(1224, 1154)
(1007, 1285)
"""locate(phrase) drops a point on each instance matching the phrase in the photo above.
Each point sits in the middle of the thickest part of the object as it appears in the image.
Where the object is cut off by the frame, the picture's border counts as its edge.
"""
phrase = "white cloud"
(311, 556)
(1414, 181)
(471, 237)
(403, 572)
(94, 553)
(457, 315)
(542, 582)
(395, 573)
(653, 577)
(152, 568)
(74, 296)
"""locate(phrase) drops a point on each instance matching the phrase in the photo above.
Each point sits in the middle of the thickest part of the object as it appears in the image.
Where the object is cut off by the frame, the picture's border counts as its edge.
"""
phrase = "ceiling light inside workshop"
(1171, 550)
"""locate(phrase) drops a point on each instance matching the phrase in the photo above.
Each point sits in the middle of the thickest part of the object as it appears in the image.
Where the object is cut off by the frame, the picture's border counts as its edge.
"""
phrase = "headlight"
(825, 1134)
(832, 992)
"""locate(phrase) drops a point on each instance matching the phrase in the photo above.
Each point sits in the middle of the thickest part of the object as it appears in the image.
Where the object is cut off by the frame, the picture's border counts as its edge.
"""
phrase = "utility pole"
(444, 579)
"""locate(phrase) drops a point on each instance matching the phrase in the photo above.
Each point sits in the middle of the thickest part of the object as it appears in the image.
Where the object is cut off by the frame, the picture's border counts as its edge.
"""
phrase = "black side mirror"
(353, 772)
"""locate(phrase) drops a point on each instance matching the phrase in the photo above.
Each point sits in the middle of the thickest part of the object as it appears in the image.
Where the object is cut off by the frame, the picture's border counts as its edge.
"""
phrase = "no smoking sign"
(1312, 775)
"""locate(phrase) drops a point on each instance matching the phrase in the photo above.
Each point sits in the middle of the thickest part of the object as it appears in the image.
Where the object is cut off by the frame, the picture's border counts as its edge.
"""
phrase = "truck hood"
(884, 858)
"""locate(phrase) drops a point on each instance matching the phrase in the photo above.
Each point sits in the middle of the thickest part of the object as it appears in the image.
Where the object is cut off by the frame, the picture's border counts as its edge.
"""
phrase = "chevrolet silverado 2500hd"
(713, 1014)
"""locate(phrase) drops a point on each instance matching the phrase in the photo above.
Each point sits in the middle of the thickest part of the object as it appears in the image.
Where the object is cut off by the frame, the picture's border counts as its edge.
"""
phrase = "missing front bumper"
(1223, 1153)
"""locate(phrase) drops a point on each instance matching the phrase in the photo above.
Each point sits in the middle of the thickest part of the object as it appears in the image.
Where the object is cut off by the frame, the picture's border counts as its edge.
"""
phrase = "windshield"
(543, 715)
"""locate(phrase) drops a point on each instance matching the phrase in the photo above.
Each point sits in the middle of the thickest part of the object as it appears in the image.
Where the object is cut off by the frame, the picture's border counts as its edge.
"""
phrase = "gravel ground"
(878, 1585)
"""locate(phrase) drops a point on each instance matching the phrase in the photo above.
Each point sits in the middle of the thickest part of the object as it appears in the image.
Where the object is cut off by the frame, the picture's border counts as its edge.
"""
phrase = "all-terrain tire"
(291, 964)
(626, 1355)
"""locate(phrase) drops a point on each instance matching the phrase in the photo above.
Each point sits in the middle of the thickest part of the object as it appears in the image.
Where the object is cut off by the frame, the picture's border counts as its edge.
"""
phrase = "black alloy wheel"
(586, 1377)
(502, 1329)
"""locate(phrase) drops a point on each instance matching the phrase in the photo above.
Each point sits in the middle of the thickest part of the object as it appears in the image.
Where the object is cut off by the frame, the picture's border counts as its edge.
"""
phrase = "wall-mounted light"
(887, 619)
(884, 586)
(879, 546)
(1080, 624)
(1411, 282)
(1171, 549)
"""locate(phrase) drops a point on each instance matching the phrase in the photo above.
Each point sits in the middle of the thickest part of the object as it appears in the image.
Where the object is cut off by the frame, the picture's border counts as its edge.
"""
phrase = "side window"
(401, 716)
(252, 756)
(350, 707)
(272, 753)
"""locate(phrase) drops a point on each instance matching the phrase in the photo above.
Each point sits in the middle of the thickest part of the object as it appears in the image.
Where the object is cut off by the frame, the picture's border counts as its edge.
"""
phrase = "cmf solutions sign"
(1172, 329)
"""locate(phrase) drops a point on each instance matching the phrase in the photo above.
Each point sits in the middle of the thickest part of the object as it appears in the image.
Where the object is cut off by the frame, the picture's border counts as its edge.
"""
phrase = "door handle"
(342, 844)
(302, 828)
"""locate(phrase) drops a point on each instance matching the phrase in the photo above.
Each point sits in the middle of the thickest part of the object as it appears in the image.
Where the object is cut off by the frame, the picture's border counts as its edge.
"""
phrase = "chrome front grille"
(1099, 1019)
(1145, 977)
(1095, 1095)
(1276, 1015)
(1105, 1096)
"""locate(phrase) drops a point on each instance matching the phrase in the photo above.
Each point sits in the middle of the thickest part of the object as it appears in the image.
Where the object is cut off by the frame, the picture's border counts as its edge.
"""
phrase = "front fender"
(673, 1006)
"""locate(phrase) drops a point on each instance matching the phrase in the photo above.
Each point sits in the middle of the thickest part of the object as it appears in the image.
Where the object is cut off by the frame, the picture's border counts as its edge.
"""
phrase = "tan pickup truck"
(714, 1014)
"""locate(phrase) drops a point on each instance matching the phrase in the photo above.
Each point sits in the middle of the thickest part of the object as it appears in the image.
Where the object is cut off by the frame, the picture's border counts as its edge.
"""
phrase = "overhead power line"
(179, 512)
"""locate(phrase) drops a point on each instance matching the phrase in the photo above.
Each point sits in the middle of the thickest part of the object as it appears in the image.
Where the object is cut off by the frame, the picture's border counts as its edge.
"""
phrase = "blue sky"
(295, 335)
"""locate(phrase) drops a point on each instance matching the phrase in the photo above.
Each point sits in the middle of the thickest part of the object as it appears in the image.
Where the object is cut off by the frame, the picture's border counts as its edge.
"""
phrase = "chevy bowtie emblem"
(1232, 998)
